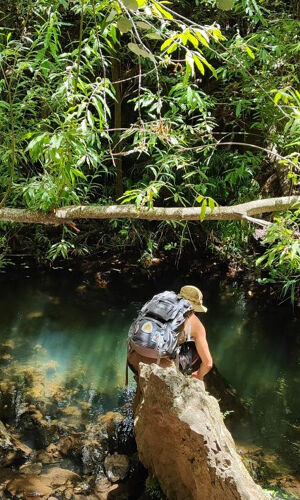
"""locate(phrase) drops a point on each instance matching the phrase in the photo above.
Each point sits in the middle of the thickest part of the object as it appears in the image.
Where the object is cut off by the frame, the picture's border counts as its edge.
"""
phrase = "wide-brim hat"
(194, 296)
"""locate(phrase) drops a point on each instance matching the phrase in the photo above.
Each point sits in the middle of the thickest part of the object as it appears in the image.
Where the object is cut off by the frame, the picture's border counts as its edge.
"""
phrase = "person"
(186, 346)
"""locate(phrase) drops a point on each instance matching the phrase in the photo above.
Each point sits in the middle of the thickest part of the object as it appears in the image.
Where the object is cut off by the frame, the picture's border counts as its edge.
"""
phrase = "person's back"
(164, 329)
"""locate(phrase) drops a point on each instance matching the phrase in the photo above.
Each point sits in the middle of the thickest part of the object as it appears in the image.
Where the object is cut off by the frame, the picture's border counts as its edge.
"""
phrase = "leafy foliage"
(282, 257)
(131, 102)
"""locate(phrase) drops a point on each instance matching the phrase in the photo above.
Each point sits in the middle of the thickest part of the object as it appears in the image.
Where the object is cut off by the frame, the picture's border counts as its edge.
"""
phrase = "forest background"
(157, 104)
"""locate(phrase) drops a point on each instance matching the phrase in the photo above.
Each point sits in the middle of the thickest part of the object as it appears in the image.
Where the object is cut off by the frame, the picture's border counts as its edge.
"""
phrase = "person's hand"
(196, 375)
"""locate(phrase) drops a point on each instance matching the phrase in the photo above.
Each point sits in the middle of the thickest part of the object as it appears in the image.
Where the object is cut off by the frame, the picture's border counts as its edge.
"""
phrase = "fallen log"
(65, 215)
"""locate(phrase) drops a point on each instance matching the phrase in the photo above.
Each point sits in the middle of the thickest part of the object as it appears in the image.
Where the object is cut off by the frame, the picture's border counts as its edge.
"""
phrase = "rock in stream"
(182, 439)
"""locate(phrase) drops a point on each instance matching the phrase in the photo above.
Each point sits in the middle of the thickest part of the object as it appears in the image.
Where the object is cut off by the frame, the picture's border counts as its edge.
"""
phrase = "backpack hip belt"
(147, 352)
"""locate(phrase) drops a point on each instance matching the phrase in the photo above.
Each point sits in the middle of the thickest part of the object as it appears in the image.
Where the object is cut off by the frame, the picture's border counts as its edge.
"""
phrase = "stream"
(75, 335)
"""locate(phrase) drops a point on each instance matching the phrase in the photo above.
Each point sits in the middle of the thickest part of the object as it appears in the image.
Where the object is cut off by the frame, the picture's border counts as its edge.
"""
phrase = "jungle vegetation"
(190, 103)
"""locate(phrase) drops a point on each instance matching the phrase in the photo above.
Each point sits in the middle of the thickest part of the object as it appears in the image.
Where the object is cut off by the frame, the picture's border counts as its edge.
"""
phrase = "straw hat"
(194, 296)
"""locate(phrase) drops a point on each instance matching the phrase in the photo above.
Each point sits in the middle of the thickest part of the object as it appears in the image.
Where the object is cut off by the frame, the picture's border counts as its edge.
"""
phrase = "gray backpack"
(158, 326)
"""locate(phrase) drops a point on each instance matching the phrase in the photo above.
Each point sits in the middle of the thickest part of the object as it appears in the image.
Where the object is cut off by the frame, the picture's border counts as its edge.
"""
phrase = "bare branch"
(260, 222)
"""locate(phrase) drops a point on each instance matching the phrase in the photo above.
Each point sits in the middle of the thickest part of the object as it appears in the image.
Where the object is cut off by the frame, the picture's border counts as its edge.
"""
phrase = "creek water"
(77, 335)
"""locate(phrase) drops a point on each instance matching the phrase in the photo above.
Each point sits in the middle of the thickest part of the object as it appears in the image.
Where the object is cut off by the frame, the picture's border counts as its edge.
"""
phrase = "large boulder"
(183, 441)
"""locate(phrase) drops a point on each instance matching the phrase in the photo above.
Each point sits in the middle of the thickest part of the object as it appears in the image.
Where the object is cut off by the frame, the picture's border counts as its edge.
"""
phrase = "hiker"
(167, 332)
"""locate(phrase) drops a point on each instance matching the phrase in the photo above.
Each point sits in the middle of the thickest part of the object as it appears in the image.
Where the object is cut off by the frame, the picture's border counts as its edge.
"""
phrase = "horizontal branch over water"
(67, 214)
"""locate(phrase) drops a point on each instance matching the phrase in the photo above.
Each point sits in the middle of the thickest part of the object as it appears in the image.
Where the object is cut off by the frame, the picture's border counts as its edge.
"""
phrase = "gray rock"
(182, 439)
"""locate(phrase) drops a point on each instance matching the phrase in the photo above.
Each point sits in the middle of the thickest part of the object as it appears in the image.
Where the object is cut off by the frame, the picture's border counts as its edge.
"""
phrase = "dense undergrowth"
(152, 103)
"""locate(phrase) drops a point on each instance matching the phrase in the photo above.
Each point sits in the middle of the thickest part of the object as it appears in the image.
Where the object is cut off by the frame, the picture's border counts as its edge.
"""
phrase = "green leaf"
(211, 204)
(260, 260)
(193, 40)
(184, 38)
(190, 62)
(166, 43)
(162, 11)
(202, 36)
(294, 250)
(143, 26)
(134, 48)
(249, 52)
(77, 173)
(36, 145)
(238, 109)
(124, 24)
(203, 209)
(139, 51)
(128, 198)
(186, 75)
(172, 48)
(153, 36)
(225, 4)
(216, 33)
(198, 64)
(189, 95)
(212, 69)
(90, 118)
(111, 16)
(131, 4)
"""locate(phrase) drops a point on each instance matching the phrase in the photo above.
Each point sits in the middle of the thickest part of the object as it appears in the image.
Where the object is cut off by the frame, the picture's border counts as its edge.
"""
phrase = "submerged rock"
(183, 441)
(116, 467)
(107, 429)
(28, 486)
(32, 422)
(10, 448)
(269, 468)
(84, 449)
(41, 486)
(50, 455)
(31, 468)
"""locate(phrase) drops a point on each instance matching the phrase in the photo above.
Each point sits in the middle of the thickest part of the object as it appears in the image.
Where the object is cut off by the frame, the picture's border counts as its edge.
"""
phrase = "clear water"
(53, 320)
(256, 348)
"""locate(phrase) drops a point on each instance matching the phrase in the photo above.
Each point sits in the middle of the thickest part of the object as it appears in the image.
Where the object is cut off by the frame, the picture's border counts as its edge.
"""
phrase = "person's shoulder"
(194, 318)
(195, 321)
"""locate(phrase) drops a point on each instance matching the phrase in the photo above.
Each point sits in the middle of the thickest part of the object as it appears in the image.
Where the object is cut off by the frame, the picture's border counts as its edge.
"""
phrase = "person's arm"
(199, 336)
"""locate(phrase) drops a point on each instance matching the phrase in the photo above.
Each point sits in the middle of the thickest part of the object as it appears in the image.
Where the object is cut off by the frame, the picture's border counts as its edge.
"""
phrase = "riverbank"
(105, 269)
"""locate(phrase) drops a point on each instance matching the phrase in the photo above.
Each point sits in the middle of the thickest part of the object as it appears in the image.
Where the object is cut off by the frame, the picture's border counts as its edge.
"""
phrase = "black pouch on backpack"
(189, 360)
